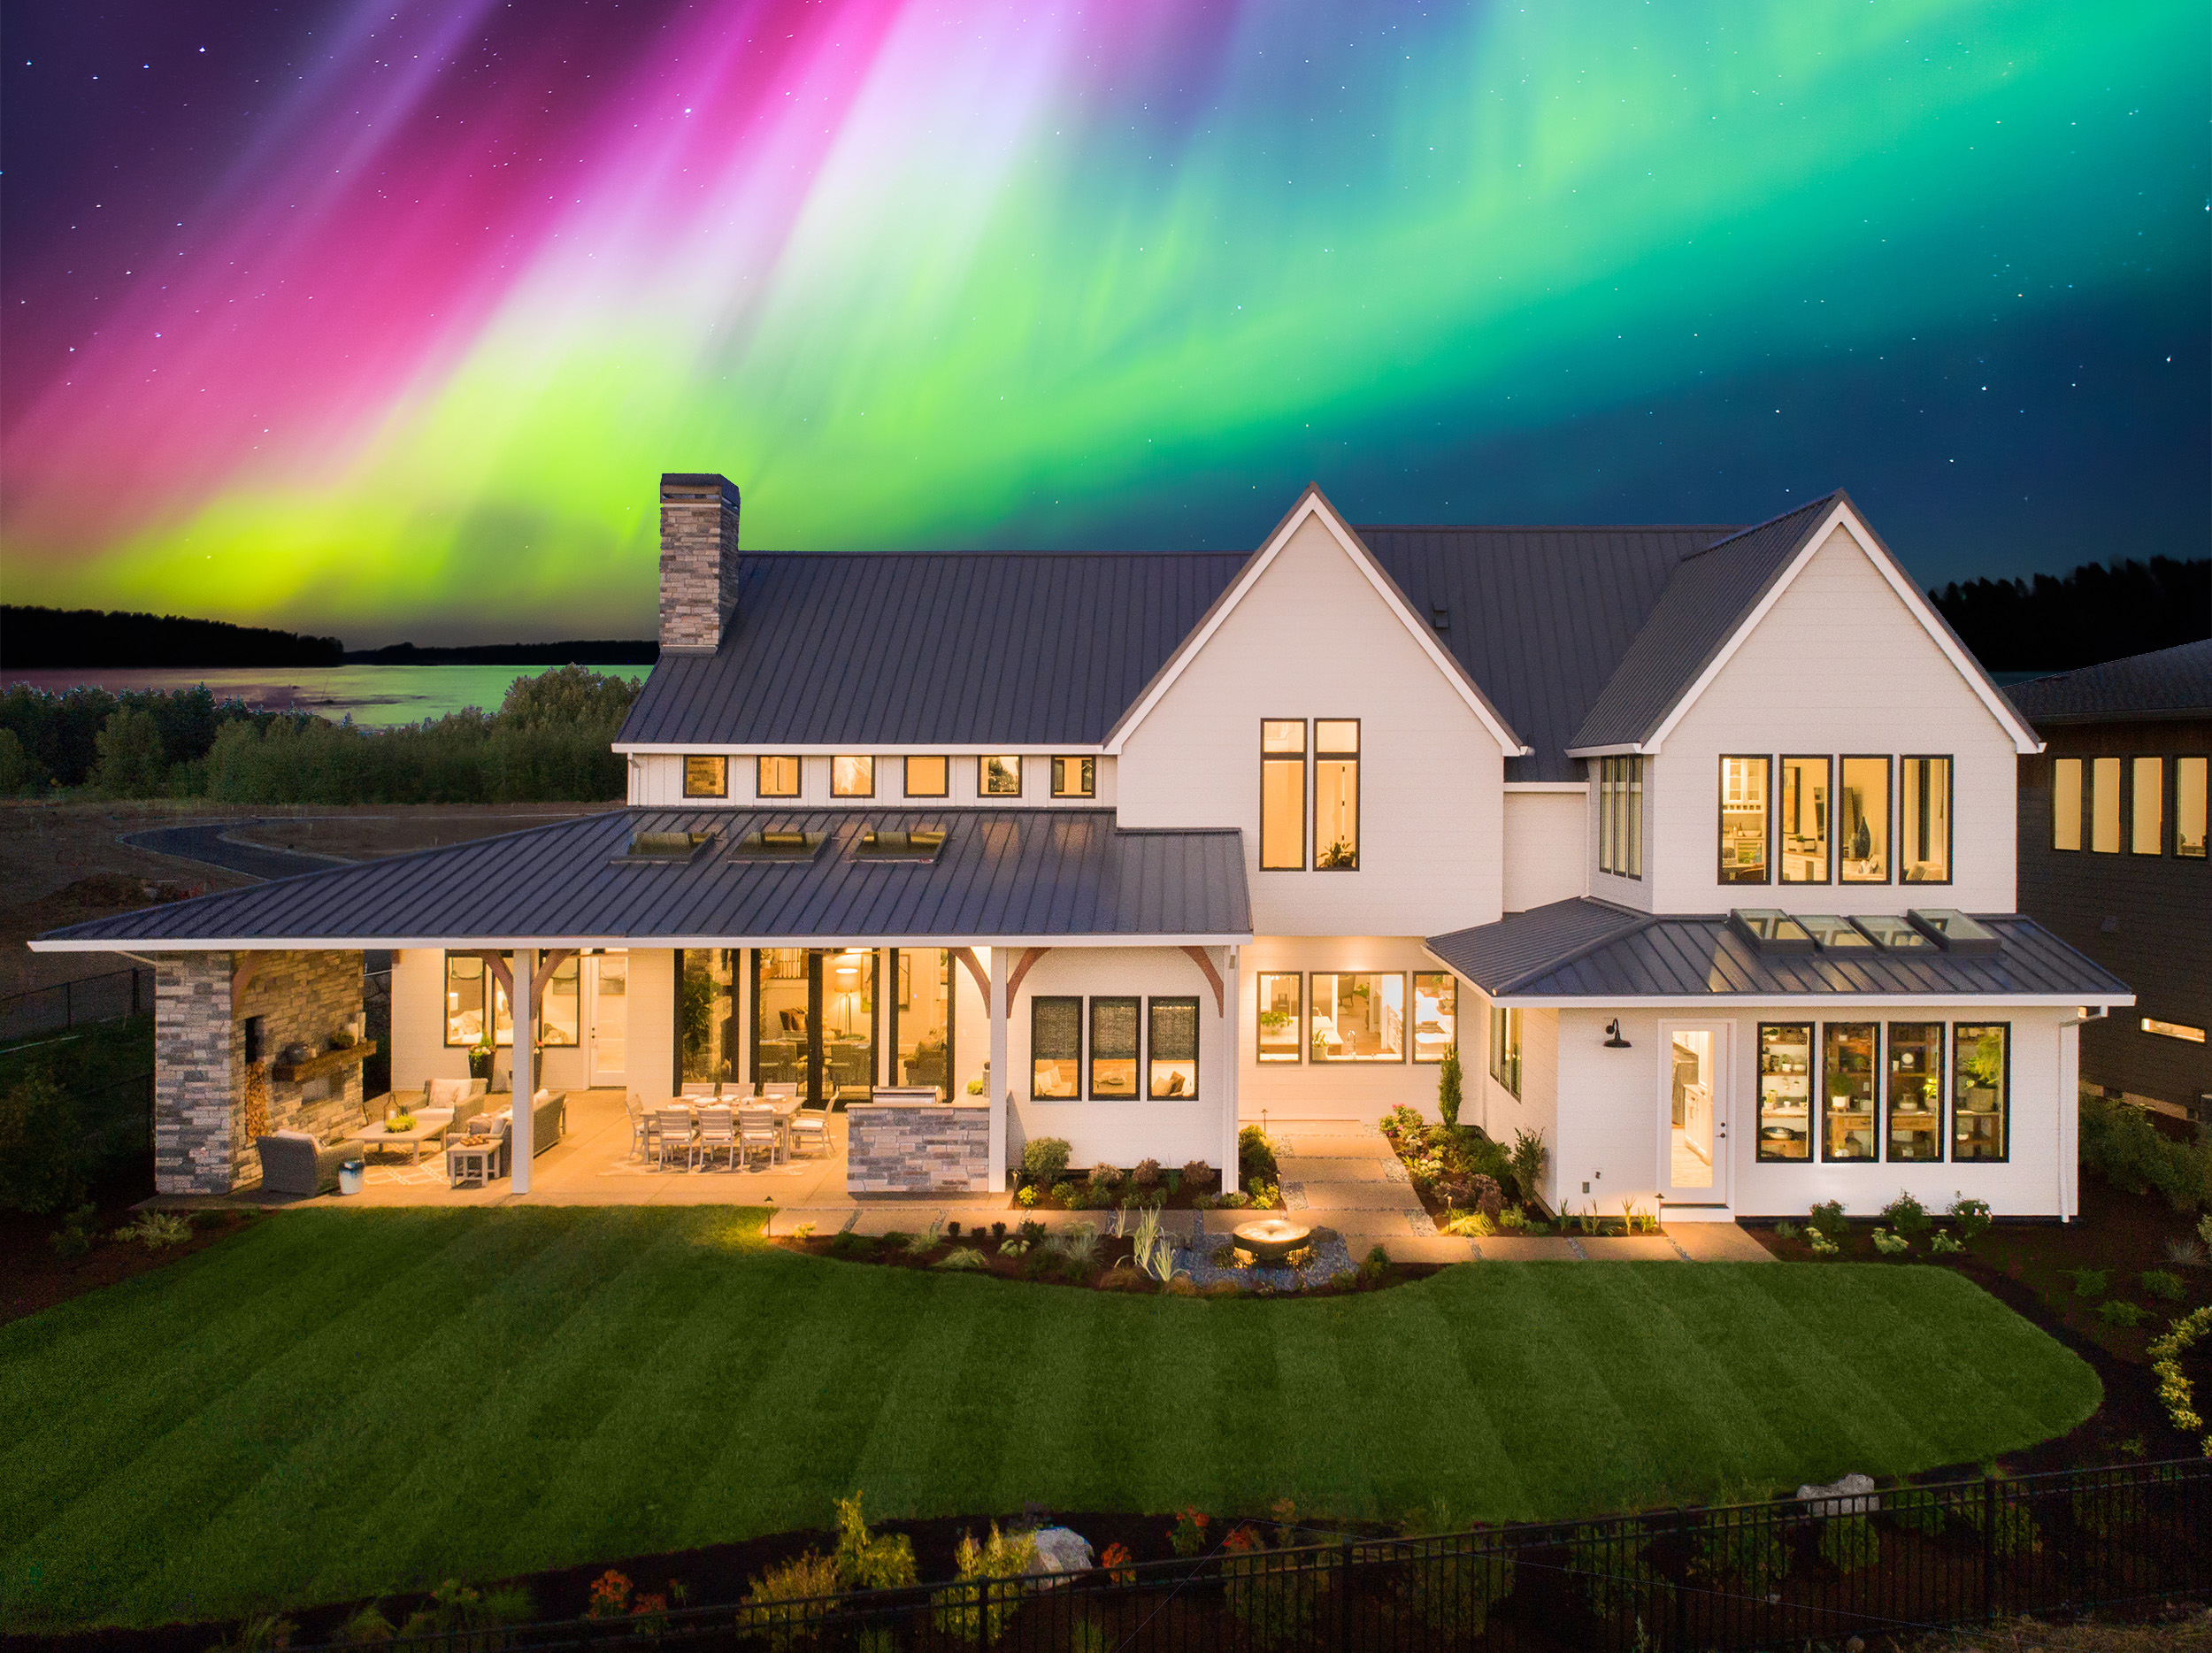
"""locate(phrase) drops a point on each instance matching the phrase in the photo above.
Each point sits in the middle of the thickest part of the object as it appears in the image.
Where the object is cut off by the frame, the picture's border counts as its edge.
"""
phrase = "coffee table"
(474, 1163)
(380, 1136)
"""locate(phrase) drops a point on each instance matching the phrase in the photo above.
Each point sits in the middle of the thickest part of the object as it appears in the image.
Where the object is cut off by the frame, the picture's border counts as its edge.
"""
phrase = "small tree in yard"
(1447, 1089)
(42, 1150)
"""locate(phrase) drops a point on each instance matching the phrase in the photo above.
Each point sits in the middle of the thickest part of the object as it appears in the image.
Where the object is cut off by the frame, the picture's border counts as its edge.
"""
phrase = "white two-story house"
(1696, 842)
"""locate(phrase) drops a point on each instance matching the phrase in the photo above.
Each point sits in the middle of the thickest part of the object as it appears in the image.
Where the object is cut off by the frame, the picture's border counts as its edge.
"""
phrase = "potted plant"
(481, 1061)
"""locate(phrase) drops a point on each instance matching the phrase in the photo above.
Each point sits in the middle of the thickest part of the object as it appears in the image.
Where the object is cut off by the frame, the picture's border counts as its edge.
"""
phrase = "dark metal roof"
(2169, 683)
(1704, 603)
(1040, 872)
(898, 649)
(1540, 617)
(1585, 949)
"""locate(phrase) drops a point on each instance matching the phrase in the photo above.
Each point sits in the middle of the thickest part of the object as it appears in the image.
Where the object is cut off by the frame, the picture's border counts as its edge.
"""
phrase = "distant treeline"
(2099, 612)
(601, 651)
(37, 639)
(548, 742)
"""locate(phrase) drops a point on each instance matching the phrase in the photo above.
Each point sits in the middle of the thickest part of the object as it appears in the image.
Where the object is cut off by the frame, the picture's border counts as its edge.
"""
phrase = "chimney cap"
(697, 485)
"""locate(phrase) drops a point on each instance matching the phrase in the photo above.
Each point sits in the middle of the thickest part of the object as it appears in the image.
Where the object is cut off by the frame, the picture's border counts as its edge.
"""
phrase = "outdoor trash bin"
(349, 1177)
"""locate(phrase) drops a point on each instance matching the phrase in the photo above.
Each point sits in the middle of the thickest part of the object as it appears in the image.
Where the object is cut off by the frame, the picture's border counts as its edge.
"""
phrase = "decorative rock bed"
(1330, 1257)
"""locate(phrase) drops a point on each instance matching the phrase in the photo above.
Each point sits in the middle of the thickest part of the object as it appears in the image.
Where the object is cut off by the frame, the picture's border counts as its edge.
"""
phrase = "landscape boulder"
(1854, 1494)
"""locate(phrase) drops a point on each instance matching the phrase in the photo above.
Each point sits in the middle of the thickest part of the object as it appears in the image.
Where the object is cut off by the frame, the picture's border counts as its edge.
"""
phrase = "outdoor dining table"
(783, 1108)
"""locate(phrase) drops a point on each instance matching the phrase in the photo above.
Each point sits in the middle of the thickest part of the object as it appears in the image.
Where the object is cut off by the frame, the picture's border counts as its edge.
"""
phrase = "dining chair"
(641, 1124)
(717, 1133)
(809, 1125)
(675, 1135)
(756, 1129)
(780, 1090)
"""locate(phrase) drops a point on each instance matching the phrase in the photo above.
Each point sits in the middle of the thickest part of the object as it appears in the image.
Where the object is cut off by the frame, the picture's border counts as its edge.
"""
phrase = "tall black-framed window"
(1281, 1030)
(922, 1023)
(1282, 795)
(2066, 785)
(1075, 776)
(469, 983)
(1435, 1014)
(1806, 790)
(1914, 1087)
(776, 775)
(1743, 819)
(1786, 1092)
(2190, 812)
(706, 775)
(707, 1013)
(2104, 806)
(1336, 794)
(2146, 805)
(999, 776)
(1505, 1048)
(1056, 1049)
(1863, 821)
(1113, 1066)
(1923, 819)
(1981, 1091)
(1847, 1113)
(1620, 817)
(928, 777)
(1170, 1048)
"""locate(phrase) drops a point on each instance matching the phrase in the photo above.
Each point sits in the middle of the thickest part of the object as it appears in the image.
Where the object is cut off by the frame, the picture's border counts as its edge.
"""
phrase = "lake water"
(375, 696)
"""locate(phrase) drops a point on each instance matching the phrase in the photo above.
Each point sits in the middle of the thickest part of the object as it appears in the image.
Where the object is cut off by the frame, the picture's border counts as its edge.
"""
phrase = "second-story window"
(2066, 803)
(706, 775)
(1282, 795)
(1336, 794)
(853, 777)
(1863, 821)
(2189, 806)
(928, 777)
(999, 777)
(1075, 777)
(1621, 816)
(1743, 820)
(2104, 806)
(2147, 806)
(1805, 821)
(778, 777)
(1923, 821)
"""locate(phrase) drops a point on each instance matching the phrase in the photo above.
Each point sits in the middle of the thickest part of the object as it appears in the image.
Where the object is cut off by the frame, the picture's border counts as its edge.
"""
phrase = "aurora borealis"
(382, 318)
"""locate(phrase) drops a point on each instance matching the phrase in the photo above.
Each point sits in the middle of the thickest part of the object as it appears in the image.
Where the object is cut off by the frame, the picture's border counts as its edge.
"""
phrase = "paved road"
(205, 842)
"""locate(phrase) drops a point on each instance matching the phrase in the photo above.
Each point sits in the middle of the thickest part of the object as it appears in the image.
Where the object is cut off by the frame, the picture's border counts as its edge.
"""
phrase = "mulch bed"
(35, 1276)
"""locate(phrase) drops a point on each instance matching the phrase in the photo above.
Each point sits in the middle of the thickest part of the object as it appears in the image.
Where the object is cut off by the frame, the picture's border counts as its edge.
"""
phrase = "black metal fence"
(103, 998)
(1765, 1575)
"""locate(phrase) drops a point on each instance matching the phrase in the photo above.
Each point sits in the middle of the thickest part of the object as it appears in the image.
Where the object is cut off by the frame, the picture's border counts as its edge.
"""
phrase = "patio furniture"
(675, 1135)
(474, 1160)
(717, 1133)
(293, 1162)
(643, 1125)
(780, 1090)
(808, 1127)
(758, 1129)
(428, 1127)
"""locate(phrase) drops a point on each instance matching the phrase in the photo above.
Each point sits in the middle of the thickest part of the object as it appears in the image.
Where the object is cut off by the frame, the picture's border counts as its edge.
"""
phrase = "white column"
(1232, 1004)
(2069, 1119)
(1000, 1095)
(524, 1079)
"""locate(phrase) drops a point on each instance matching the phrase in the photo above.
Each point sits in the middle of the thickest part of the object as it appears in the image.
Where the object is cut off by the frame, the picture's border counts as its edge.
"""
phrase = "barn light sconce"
(1613, 1040)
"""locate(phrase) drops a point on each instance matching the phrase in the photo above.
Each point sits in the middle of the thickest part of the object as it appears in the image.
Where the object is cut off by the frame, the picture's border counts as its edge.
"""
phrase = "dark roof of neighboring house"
(2169, 683)
(1033, 873)
(909, 647)
(1701, 608)
(1581, 948)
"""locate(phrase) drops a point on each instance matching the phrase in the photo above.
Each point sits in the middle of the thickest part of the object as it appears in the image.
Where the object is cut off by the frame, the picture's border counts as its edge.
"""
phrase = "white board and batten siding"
(1548, 836)
(1308, 1089)
(1839, 666)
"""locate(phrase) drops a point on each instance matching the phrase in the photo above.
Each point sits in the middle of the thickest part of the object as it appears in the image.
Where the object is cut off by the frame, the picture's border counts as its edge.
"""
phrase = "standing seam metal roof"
(1040, 872)
(2166, 683)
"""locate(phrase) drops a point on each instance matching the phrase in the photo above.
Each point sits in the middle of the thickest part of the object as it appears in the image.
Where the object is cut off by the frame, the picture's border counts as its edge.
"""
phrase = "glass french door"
(815, 1020)
(1694, 1109)
(610, 989)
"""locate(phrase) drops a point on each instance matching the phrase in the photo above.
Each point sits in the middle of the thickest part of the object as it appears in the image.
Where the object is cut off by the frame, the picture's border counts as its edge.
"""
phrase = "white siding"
(656, 780)
(1491, 1106)
(1314, 639)
(1838, 665)
(1613, 1123)
(1546, 835)
(650, 1066)
(1113, 1132)
(1307, 1089)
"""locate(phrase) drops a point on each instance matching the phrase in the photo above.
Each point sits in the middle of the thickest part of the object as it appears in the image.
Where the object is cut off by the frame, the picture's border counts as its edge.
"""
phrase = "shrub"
(1485, 1197)
(368, 1627)
(77, 1235)
(1785, 1230)
(1512, 1220)
(1972, 1215)
(2119, 1312)
(2088, 1282)
(1145, 1173)
(1255, 1156)
(42, 1150)
(1105, 1179)
(1029, 1197)
(871, 1561)
(2120, 1144)
(455, 1610)
(1187, 1535)
(1943, 1245)
(156, 1230)
(1850, 1543)
(1197, 1170)
(1528, 1164)
(2163, 1284)
(1045, 1158)
(971, 1612)
(1064, 1192)
(1077, 1243)
(1471, 1225)
(609, 1595)
(1889, 1244)
(1822, 1245)
(787, 1601)
(1448, 1084)
(921, 1245)
(960, 1257)
(1375, 1266)
(1827, 1218)
(1906, 1215)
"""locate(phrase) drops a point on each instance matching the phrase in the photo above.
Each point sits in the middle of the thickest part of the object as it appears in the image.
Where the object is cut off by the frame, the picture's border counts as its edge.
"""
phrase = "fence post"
(68, 1007)
(1344, 1600)
(1989, 1549)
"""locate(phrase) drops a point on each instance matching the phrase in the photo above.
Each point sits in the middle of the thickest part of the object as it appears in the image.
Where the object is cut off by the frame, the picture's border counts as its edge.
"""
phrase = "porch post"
(999, 1093)
(526, 1071)
(1231, 1005)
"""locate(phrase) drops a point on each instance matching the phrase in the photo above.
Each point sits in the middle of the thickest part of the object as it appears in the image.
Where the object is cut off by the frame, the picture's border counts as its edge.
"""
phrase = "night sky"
(382, 318)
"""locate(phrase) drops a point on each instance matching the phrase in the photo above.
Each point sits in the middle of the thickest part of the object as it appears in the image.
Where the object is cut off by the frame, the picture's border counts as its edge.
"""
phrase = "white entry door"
(1694, 1109)
(609, 989)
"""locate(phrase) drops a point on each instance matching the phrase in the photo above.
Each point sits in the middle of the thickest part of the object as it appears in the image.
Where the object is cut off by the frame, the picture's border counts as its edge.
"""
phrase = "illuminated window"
(2066, 803)
(1786, 1088)
(1075, 777)
(1915, 1090)
(1282, 795)
(1743, 820)
(2189, 807)
(2147, 806)
(1863, 821)
(1435, 1014)
(1113, 1048)
(1280, 1038)
(1505, 1048)
(2104, 806)
(999, 777)
(777, 777)
(1171, 1054)
(1336, 794)
(1056, 1049)
(706, 776)
(853, 777)
(1846, 1090)
(1981, 1084)
(1358, 1018)
(1923, 821)
(1621, 816)
(2173, 1030)
(467, 981)
(1805, 782)
(928, 777)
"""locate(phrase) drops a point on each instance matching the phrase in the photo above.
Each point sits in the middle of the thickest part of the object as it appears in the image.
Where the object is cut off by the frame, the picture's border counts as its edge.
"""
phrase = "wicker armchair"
(293, 1162)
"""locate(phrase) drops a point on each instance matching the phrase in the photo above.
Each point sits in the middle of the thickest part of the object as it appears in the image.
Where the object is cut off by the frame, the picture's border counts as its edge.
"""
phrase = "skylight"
(1953, 931)
(777, 844)
(1891, 934)
(1834, 933)
(1770, 930)
(662, 849)
(919, 843)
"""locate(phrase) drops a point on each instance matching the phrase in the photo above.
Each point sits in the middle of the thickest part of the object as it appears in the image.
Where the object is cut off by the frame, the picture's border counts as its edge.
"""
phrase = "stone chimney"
(698, 560)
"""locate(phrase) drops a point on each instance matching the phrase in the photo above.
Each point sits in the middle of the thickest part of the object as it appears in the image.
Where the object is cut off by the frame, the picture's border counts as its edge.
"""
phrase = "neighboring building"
(1634, 817)
(2112, 859)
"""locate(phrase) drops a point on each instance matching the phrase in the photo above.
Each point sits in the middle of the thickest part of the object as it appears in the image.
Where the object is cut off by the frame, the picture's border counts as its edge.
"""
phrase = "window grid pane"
(1981, 1081)
(1358, 1018)
(1805, 821)
(779, 777)
(1505, 1048)
(1915, 1090)
(1281, 1037)
(1785, 1085)
(1435, 1014)
(1075, 777)
(1924, 821)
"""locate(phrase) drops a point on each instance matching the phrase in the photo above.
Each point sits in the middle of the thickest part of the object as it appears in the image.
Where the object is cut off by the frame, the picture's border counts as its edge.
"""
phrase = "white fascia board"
(1717, 1001)
(470, 943)
(1312, 504)
(1619, 749)
(1548, 786)
(1841, 516)
(865, 748)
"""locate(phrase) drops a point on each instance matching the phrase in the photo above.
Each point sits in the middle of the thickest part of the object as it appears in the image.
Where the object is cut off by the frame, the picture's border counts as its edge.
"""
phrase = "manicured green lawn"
(335, 1403)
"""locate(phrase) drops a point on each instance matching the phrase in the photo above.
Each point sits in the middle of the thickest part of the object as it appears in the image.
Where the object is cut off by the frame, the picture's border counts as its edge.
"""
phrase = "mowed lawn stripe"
(334, 1403)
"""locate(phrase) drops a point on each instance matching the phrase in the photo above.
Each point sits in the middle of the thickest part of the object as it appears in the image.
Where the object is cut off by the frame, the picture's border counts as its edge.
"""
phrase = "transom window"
(1282, 795)
(999, 776)
(706, 775)
(1075, 777)
(853, 776)
(777, 776)
(928, 777)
